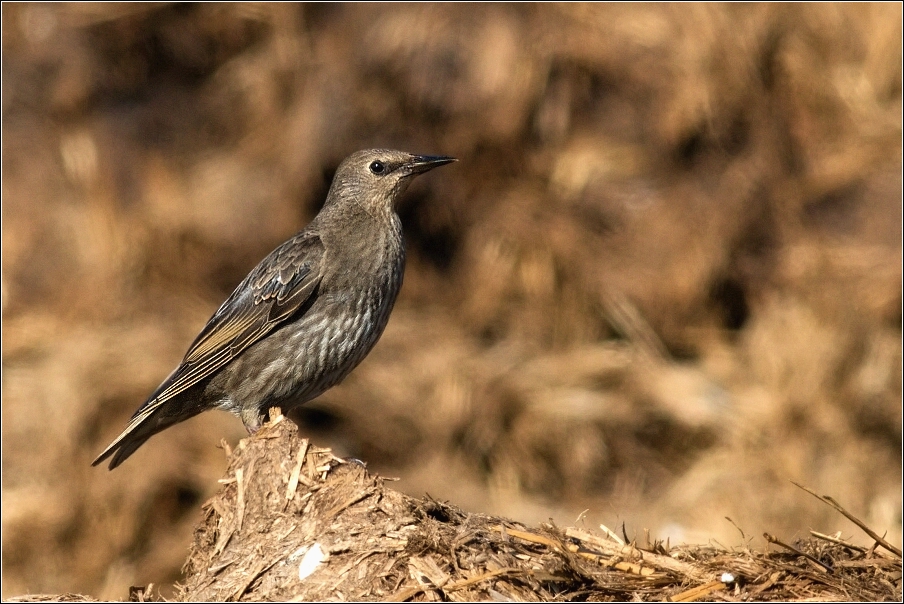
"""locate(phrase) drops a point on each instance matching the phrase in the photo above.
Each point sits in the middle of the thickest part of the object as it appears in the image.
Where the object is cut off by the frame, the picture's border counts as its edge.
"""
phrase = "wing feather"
(274, 291)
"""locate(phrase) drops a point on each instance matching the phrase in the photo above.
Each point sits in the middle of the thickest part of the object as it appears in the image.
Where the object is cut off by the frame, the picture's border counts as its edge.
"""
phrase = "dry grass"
(663, 281)
(287, 509)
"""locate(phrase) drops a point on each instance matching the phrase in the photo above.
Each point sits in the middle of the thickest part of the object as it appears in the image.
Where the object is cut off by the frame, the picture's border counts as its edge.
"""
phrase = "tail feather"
(122, 449)
(148, 421)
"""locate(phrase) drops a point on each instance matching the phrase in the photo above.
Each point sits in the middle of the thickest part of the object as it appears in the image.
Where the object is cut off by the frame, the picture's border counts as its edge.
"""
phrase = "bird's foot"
(254, 420)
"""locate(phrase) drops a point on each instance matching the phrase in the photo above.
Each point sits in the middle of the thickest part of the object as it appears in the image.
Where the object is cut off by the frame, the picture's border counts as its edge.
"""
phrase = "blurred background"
(663, 281)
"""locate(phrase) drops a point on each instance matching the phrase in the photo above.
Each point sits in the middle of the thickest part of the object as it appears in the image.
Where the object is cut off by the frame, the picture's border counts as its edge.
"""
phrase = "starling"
(304, 317)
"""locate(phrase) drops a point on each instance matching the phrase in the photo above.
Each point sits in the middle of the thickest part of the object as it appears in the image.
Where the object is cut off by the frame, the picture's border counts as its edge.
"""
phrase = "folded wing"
(283, 284)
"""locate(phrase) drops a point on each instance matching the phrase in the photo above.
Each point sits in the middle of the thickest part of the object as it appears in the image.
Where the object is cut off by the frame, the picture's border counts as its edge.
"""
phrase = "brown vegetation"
(291, 524)
(663, 281)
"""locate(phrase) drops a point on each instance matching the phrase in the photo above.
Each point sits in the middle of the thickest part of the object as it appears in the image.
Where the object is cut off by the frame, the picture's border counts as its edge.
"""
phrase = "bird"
(304, 317)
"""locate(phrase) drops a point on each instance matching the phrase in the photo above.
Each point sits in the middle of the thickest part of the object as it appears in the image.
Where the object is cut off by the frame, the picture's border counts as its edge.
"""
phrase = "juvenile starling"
(304, 317)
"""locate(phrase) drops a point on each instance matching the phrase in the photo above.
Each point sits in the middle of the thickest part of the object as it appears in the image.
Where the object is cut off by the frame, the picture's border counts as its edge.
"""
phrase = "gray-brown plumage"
(304, 317)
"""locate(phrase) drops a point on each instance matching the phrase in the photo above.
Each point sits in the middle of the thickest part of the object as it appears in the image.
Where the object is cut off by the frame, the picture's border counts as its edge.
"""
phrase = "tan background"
(663, 281)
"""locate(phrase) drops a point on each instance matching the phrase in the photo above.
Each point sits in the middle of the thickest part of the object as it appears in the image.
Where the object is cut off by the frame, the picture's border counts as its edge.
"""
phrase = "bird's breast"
(323, 346)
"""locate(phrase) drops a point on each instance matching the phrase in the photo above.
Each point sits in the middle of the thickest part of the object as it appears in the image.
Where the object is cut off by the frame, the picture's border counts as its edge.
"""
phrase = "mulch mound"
(292, 522)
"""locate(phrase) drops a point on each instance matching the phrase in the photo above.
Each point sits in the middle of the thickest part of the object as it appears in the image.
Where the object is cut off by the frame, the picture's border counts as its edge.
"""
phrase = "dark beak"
(422, 163)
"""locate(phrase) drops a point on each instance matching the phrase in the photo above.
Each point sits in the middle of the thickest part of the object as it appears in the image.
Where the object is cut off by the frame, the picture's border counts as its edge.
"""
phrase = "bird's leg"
(252, 419)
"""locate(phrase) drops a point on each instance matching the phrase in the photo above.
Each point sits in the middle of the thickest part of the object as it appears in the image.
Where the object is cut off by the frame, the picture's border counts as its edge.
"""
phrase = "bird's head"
(375, 178)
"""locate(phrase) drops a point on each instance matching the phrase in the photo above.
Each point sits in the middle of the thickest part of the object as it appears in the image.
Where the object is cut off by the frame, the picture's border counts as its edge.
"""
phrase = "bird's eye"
(377, 167)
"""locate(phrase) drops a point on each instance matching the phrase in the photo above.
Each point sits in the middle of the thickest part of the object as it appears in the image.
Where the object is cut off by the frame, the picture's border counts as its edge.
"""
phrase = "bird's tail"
(148, 421)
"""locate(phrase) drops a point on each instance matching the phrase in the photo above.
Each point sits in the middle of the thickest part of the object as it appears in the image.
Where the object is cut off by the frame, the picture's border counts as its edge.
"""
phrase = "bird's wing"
(275, 290)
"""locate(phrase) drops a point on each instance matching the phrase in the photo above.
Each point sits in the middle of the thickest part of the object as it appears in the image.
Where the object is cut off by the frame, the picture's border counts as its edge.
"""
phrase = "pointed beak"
(422, 163)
